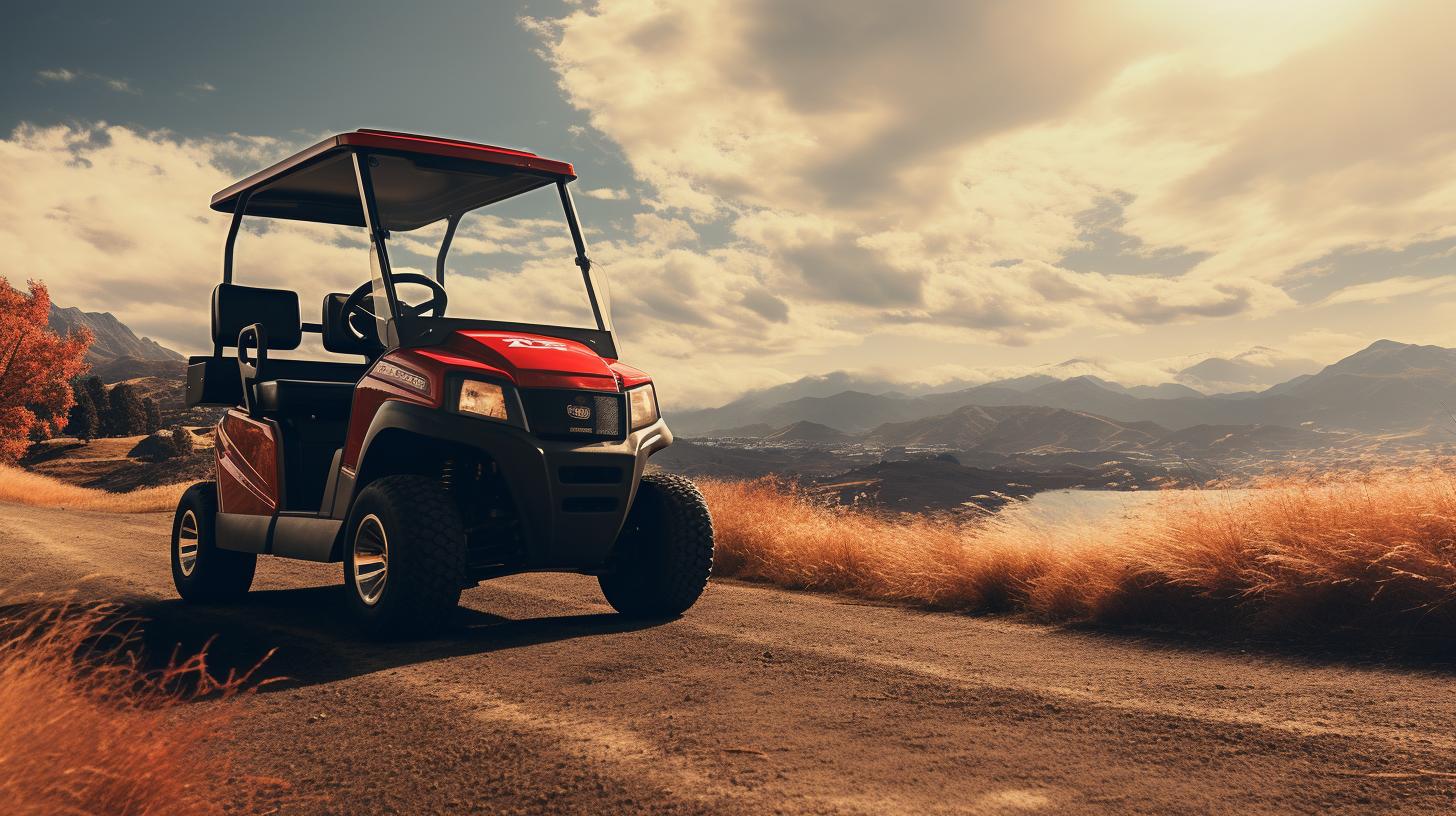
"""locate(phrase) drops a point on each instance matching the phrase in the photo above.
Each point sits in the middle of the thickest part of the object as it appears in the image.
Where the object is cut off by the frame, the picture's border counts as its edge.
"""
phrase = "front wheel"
(404, 558)
(664, 554)
(201, 572)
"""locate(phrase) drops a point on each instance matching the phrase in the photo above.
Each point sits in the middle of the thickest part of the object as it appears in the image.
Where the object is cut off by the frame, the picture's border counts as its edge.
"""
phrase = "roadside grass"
(1354, 551)
(1372, 552)
(84, 730)
(22, 487)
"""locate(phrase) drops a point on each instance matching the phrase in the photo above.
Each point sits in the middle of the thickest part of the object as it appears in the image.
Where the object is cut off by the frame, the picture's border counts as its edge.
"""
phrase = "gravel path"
(762, 701)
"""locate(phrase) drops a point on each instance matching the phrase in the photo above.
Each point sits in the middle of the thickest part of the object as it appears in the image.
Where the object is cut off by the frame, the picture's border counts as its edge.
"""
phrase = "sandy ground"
(764, 701)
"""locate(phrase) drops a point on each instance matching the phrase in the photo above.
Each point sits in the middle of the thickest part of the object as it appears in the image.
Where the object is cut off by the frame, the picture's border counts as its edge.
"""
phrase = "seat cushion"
(312, 398)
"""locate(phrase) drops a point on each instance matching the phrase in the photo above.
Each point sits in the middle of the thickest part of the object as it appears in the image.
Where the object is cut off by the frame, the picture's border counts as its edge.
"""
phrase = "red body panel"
(537, 361)
(374, 390)
(249, 469)
(630, 377)
(524, 360)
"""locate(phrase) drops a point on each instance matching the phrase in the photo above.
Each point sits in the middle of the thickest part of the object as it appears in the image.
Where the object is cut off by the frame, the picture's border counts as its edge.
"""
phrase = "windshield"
(511, 260)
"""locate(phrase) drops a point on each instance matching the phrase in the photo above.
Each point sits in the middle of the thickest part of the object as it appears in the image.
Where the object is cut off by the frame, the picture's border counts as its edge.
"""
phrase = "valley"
(980, 447)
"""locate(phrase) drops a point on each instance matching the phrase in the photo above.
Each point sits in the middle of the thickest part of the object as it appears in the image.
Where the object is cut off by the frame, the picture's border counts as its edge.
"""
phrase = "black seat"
(308, 399)
(305, 398)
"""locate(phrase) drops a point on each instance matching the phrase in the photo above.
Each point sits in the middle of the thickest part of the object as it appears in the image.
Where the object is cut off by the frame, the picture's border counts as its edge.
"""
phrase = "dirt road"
(764, 701)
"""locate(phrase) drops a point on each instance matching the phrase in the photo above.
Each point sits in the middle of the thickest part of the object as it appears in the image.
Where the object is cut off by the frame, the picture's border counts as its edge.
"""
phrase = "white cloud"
(68, 75)
(56, 75)
(606, 194)
(119, 85)
(116, 220)
(1383, 291)
(656, 230)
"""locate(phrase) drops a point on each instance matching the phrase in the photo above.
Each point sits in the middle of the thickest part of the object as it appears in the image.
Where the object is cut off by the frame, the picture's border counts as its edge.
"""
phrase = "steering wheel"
(355, 306)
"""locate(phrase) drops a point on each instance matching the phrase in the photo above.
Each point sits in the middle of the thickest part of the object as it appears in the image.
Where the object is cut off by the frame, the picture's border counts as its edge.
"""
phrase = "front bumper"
(571, 498)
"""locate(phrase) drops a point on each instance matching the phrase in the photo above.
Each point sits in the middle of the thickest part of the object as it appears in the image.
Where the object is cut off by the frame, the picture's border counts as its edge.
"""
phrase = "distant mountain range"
(1388, 387)
(116, 353)
(1040, 430)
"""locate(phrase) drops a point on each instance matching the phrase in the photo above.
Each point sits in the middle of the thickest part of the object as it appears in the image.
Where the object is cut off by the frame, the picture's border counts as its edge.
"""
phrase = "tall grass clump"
(1373, 551)
(85, 730)
(22, 487)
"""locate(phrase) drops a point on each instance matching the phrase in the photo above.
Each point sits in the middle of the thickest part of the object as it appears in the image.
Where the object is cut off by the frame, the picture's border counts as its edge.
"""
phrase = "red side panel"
(379, 387)
(249, 470)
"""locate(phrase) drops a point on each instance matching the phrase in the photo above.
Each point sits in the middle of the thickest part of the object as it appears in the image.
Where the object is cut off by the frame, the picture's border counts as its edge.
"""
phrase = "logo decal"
(528, 342)
(403, 376)
(578, 411)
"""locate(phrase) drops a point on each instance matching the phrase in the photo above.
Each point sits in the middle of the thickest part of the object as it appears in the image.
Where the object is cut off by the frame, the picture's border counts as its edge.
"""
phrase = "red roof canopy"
(317, 184)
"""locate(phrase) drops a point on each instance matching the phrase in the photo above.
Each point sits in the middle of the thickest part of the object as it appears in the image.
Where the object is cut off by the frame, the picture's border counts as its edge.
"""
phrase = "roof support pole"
(239, 209)
(377, 237)
(582, 260)
(227, 250)
(450, 224)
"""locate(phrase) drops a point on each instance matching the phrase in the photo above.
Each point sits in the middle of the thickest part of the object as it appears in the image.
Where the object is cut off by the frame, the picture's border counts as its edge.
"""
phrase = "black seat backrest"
(336, 335)
(236, 307)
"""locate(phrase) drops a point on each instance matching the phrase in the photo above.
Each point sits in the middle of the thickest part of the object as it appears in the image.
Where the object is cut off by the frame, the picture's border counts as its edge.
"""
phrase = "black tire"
(202, 572)
(424, 546)
(664, 553)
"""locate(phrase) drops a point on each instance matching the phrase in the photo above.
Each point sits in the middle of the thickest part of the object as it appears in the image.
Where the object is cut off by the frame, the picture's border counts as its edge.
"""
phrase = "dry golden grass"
(22, 487)
(1372, 551)
(84, 731)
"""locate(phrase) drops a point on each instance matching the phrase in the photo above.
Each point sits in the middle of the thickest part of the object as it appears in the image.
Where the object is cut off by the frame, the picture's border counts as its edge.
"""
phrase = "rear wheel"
(404, 558)
(202, 572)
(665, 551)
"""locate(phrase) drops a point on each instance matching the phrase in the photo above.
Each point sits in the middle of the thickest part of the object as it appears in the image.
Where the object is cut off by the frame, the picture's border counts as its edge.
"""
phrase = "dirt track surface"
(762, 701)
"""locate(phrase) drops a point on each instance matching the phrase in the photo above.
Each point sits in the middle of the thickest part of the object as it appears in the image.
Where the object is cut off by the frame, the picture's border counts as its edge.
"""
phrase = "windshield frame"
(399, 331)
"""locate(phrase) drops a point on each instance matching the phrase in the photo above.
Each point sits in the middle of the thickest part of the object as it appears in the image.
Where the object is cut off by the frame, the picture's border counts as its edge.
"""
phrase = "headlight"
(482, 399)
(643, 405)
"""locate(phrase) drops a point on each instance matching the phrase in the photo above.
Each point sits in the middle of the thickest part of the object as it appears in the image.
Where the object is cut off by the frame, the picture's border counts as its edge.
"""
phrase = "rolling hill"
(1019, 429)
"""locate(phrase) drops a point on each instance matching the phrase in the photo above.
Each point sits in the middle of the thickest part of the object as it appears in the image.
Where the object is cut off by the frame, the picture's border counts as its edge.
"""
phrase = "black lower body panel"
(303, 536)
(571, 497)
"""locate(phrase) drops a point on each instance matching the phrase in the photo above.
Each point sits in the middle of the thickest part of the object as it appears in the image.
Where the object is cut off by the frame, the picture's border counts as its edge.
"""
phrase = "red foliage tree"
(36, 367)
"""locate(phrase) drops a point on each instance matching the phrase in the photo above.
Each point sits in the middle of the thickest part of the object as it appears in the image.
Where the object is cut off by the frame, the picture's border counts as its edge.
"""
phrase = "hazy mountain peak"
(806, 431)
(113, 338)
(1253, 369)
(1388, 357)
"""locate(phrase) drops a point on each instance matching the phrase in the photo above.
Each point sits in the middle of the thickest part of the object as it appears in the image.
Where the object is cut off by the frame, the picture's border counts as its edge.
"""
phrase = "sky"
(926, 191)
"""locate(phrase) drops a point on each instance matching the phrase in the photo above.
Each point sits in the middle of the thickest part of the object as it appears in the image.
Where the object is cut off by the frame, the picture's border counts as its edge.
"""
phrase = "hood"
(535, 360)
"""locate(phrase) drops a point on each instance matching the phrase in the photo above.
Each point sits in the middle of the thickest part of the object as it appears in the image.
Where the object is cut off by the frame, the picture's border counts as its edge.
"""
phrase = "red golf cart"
(445, 447)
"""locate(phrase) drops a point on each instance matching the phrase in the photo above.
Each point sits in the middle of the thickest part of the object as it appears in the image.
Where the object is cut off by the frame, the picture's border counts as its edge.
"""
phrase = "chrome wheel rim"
(371, 559)
(187, 543)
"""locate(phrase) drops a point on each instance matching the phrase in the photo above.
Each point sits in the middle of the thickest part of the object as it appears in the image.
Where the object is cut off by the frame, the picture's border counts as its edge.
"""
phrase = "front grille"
(561, 414)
